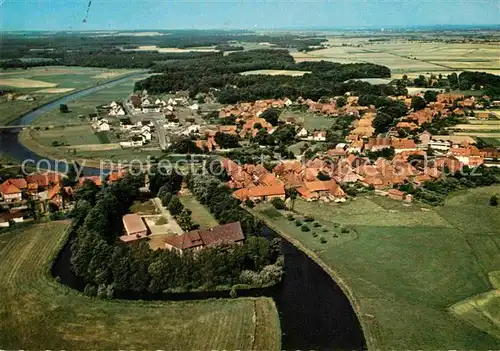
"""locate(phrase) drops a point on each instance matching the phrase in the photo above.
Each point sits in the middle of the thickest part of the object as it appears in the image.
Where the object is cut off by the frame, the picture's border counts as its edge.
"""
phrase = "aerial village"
(329, 175)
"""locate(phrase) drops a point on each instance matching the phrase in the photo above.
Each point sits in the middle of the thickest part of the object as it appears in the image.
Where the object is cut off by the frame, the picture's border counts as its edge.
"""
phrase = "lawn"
(310, 121)
(37, 312)
(144, 208)
(200, 214)
(409, 264)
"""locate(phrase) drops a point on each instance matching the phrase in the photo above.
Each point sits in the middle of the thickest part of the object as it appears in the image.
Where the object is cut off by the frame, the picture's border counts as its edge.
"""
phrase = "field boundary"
(370, 332)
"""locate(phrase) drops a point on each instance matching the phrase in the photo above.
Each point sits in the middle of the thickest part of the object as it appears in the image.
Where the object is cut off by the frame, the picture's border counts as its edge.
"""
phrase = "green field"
(409, 264)
(39, 313)
(309, 120)
(87, 104)
(74, 78)
(200, 214)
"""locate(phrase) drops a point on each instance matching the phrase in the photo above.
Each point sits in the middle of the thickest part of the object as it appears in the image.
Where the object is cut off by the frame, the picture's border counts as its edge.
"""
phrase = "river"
(314, 312)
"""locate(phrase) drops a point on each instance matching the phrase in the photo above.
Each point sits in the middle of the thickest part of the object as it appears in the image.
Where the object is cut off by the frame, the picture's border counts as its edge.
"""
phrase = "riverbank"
(27, 140)
(368, 326)
(46, 314)
(408, 264)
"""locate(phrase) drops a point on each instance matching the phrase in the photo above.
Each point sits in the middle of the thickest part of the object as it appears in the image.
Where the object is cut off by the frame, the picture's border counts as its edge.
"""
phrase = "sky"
(242, 14)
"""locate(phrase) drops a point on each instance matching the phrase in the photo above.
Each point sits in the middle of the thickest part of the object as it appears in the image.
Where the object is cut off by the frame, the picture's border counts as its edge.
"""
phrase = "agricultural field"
(200, 214)
(413, 261)
(46, 84)
(411, 58)
(37, 312)
(275, 72)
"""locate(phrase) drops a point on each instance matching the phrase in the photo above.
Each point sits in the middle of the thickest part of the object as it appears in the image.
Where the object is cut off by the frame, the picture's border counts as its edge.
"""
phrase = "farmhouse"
(10, 192)
(196, 240)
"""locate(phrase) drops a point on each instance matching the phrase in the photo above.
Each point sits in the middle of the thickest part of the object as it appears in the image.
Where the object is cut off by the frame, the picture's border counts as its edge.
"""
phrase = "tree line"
(222, 73)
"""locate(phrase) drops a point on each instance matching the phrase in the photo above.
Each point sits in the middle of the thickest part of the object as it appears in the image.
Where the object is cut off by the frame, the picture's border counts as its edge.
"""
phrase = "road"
(173, 226)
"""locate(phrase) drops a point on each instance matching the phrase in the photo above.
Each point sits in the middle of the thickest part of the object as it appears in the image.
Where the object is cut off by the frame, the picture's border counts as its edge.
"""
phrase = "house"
(377, 144)
(10, 192)
(402, 145)
(146, 136)
(325, 190)
(261, 193)
(196, 240)
(103, 126)
(43, 180)
(7, 217)
(302, 133)
(55, 196)
(134, 227)
(318, 135)
(396, 194)
(469, 156)
(94, 179)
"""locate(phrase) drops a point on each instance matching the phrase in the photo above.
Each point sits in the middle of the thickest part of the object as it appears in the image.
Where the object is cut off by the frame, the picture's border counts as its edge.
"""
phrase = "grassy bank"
(408, 265)
(37, 312)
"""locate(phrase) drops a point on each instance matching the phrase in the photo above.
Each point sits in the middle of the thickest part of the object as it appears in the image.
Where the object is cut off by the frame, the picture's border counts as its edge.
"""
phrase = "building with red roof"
(196, 240)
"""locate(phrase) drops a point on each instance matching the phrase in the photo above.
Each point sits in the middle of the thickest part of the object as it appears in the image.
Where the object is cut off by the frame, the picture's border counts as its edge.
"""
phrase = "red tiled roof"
(7, 188)
(222, 234)
(19, 183)
(396, 192)
(94, 179)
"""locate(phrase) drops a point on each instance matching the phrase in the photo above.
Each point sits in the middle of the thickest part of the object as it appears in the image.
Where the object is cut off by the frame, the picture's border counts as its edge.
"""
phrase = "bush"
(90, 290)
(494, 200)
(290, 217)
(344, 230)
(305, 228)
(161, 221)
(325, 230)
(298, 223)
(315, 234)
(308, 219)
(316, 225)
(249, 203)
(322, 240)
(278, 203)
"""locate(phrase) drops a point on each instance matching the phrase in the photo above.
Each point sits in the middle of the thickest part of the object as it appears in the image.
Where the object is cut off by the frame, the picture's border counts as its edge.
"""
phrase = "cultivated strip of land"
(37, 312)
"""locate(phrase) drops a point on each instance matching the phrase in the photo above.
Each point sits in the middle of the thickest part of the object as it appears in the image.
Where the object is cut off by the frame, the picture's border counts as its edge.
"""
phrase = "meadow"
(200, 214)
(309, 120)
(38, 312)
(46, 84)
(409, 264)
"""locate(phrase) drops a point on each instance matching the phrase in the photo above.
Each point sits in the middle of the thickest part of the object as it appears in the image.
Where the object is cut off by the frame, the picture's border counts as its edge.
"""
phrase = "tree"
(417, 103)
(278, 203)
(430, 96)
(226, 140)
(63, 108)
(494, 200)
(175, 206)
(382, 122)
(341, 101)
(271, 115)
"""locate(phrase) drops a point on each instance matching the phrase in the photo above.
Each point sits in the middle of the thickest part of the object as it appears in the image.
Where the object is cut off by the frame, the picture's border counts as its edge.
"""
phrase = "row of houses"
(45, 187)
